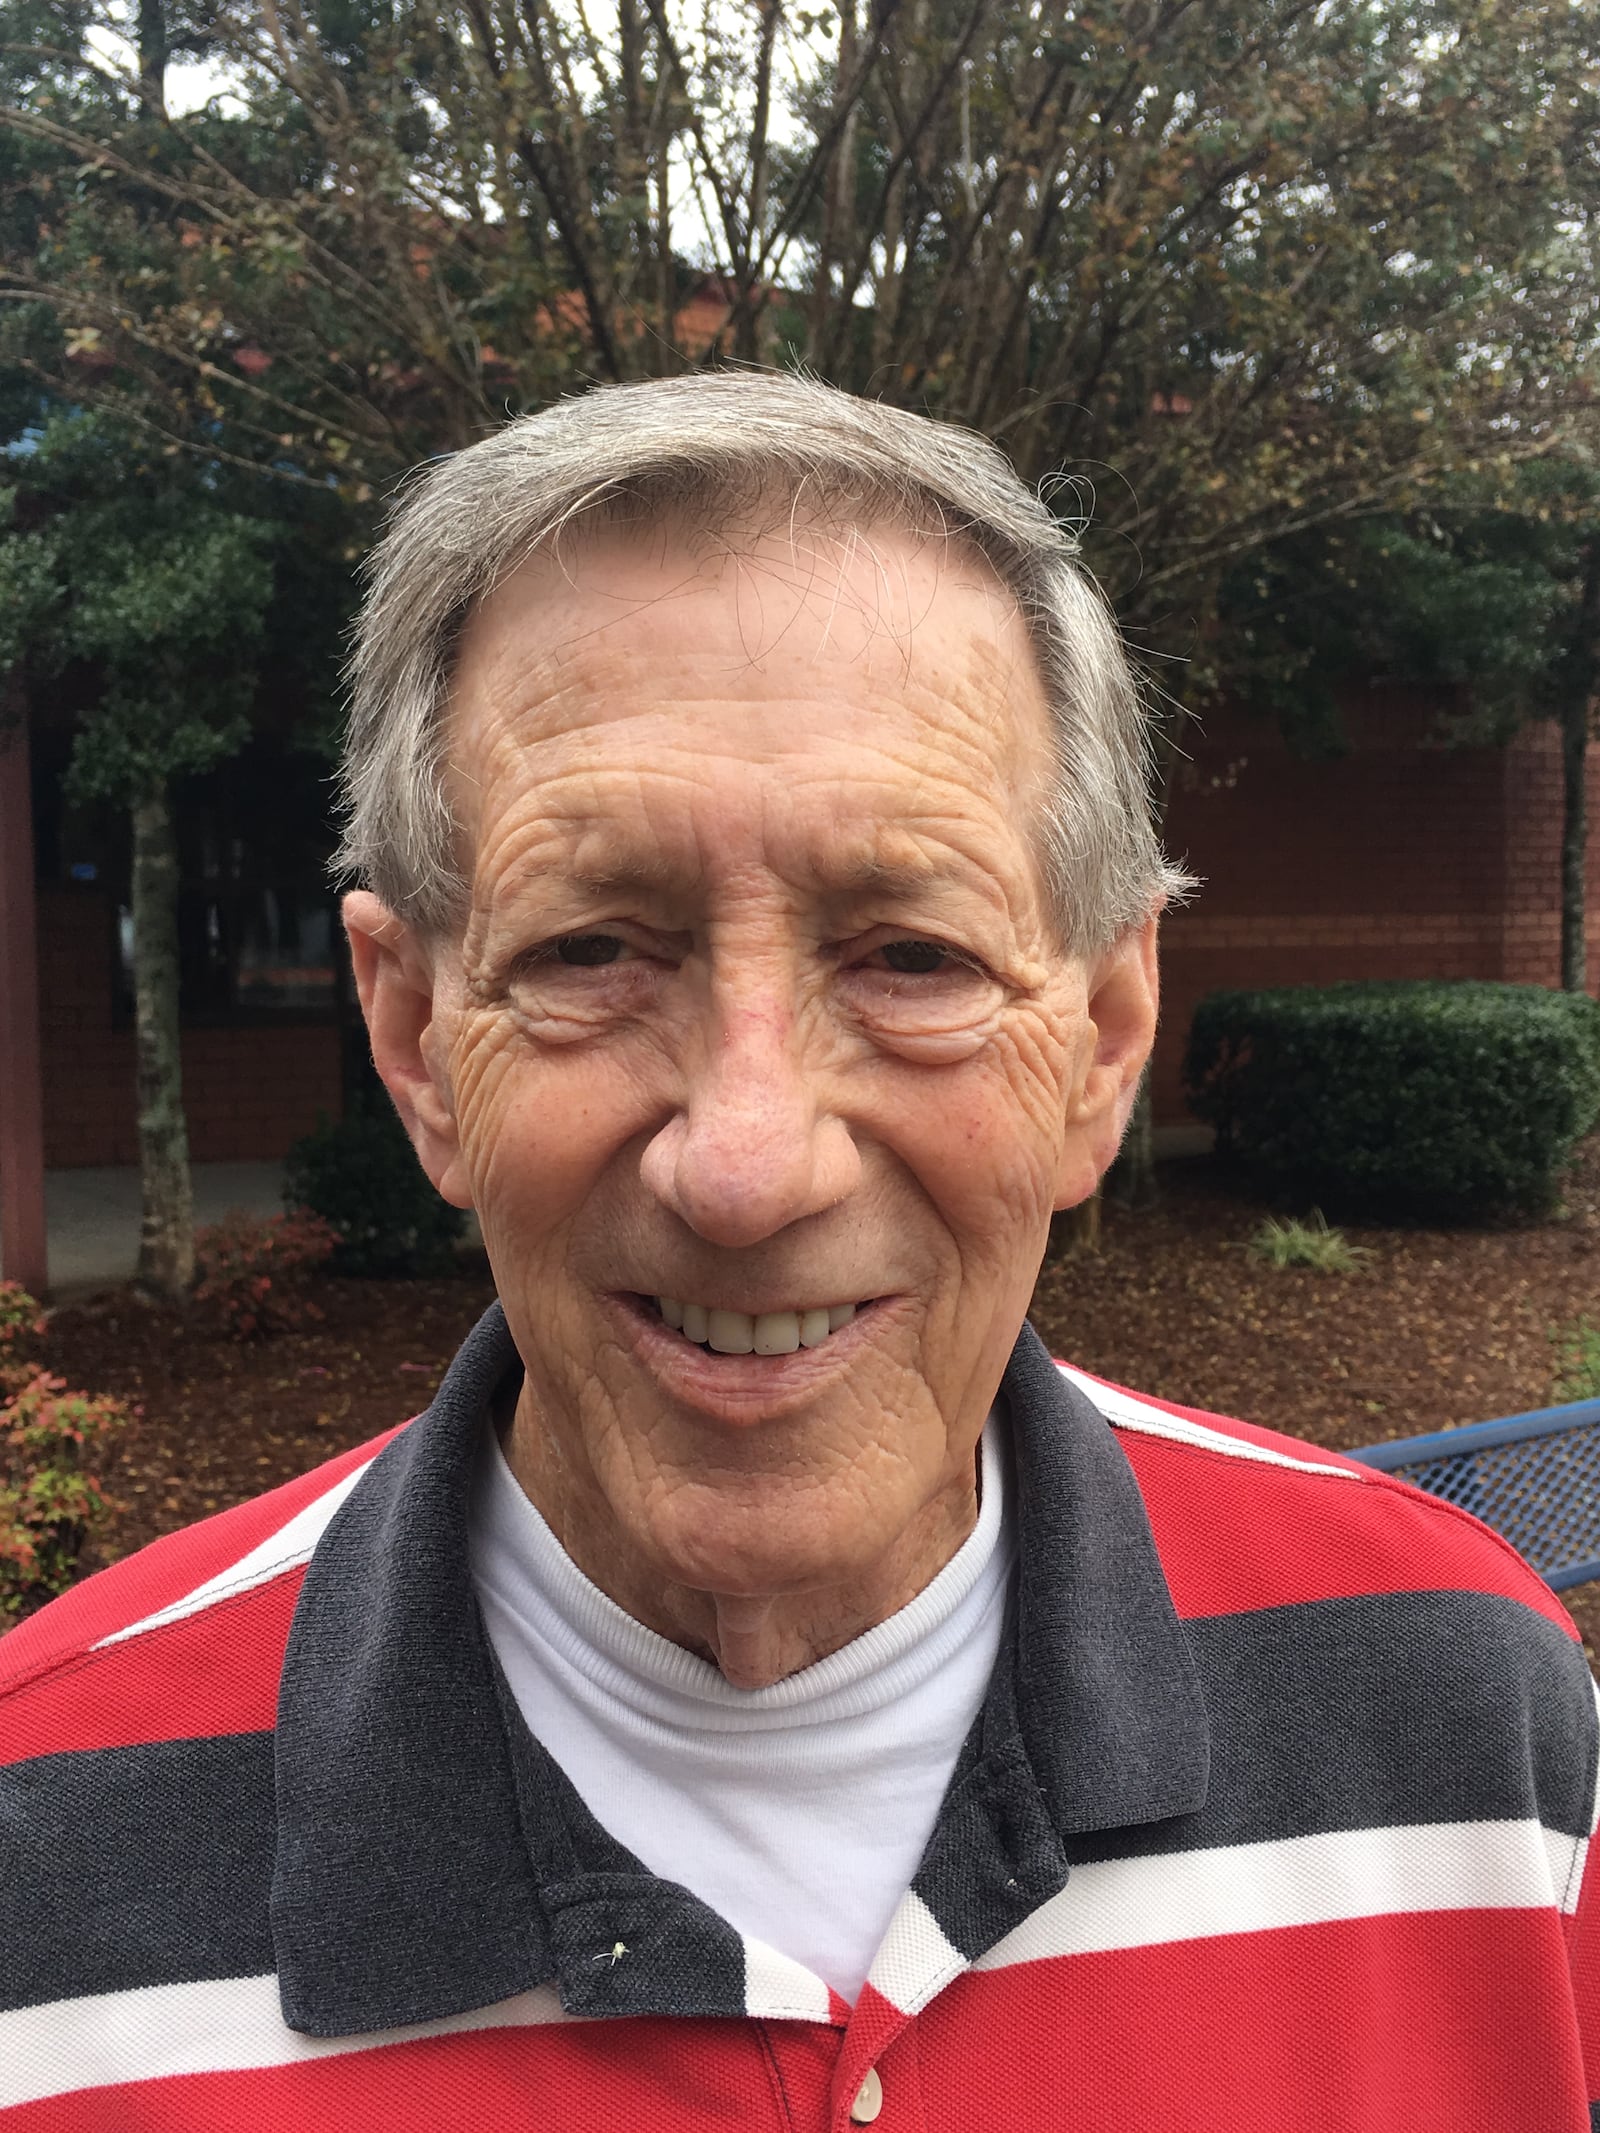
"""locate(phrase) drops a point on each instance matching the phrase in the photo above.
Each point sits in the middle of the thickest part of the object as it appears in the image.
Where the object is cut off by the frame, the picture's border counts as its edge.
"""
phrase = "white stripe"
(1291, 1881)
(778, 1989)
(220, 2025)
(1125, 1412)
(914, 1960)
(290, 1545)
(1567, 1856)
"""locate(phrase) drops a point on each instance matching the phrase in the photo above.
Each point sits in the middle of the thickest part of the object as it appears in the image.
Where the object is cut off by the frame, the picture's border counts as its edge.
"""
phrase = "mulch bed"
(1441, 1327)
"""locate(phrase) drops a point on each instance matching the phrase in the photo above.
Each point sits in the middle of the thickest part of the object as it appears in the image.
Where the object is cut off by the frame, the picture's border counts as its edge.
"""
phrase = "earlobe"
(1123, 1003)
(395, 978)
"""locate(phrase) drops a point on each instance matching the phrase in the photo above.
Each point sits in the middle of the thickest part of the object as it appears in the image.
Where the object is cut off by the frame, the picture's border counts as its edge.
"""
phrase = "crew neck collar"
(623, 1658)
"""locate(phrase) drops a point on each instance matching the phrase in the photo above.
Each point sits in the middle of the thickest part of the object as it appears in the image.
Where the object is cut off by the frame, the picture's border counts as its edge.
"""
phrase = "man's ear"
(1124, 998)
(395, 972)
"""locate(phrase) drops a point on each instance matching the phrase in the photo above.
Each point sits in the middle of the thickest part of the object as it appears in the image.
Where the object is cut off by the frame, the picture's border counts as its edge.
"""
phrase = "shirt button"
(869, 2099)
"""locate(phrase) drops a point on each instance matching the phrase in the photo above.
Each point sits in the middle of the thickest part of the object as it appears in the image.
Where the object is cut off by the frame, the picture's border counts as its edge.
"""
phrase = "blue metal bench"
(1535, 1478)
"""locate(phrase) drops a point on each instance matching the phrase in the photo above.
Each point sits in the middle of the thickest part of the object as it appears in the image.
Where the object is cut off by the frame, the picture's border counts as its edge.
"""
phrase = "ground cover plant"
(1444, 1326)
(51, 1441)
(1312, 1243)
(359, 1175)
(255, 1272)
(1577, 1362)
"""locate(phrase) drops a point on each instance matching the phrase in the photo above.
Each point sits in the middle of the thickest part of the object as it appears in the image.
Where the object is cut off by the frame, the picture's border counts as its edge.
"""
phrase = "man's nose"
(751, 1147)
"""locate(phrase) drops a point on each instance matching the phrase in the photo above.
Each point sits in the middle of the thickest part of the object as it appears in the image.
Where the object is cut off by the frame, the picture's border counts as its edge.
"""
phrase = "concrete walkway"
(92, 1217)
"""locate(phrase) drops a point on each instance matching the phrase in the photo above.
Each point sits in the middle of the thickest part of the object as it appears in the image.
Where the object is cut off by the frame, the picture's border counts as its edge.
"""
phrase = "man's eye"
(914, 958)
(584, 951)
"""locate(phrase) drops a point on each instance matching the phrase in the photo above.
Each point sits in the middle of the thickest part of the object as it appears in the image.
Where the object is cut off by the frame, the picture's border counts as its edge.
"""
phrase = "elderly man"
(763, 1690)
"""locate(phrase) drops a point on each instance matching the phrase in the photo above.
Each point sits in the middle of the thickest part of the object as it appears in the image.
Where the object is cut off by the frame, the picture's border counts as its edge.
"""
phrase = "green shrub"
(1577, 1362)
(1431, 1099)
(253, 1271)
(1309, 1244)
(361, 1175)
(50, 1496)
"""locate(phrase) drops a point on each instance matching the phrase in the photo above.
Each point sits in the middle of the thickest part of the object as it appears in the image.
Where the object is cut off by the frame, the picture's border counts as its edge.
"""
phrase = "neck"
(754, 1638)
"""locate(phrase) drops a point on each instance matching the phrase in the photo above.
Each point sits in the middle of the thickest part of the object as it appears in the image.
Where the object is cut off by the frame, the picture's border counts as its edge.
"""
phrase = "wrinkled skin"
(711, 793)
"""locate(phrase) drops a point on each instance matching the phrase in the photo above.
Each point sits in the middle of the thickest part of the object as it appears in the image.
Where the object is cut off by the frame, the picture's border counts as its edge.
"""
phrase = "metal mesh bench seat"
(1535, 1478)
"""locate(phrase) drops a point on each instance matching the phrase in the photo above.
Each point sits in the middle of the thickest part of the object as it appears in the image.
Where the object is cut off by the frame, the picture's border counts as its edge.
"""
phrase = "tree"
(128, 560)
(1241, 268)
(162, 593)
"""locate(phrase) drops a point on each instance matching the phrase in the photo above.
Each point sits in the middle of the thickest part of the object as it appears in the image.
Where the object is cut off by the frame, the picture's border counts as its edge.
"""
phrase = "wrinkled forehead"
(823, 703)
(915, 617)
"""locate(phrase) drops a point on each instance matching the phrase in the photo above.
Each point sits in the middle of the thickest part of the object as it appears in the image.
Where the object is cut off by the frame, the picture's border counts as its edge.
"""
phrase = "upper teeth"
(768, 1333)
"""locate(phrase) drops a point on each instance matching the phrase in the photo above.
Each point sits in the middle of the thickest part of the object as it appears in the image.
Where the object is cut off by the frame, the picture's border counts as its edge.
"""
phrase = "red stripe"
(1585, 1957)
(601, 2077)
(1235, 1535)
(1453, 2022)
(208, 1673)
(144, 1583)
(1448, 2023)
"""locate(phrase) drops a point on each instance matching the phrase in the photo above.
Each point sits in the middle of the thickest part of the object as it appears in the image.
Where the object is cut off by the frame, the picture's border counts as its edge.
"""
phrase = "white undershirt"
(799, 1811)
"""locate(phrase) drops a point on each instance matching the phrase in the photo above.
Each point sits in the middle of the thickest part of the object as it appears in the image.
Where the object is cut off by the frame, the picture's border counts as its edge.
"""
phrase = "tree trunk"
(166, 1238)
(153, 57)
(1577, 693)
(1574, 844)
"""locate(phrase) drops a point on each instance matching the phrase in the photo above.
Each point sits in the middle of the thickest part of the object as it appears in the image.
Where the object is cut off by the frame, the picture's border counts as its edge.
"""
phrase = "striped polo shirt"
(1275, 1819)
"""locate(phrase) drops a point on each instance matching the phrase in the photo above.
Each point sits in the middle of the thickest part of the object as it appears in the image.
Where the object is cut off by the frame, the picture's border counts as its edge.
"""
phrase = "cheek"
(535, 1131)
(984, 1143)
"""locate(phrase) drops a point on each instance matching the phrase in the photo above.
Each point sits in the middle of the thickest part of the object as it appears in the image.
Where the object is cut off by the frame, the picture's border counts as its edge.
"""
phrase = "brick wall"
(1399, 860)
(249, 1092)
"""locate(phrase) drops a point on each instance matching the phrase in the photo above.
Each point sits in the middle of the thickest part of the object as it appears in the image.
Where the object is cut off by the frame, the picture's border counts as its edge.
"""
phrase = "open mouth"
(739, 1333)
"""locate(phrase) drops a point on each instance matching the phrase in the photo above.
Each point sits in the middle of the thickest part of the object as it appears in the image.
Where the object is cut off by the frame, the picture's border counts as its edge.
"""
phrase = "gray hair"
(725, 442)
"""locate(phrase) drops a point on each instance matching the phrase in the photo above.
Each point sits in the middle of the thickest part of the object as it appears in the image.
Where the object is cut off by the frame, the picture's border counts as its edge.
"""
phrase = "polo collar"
(432, 1858)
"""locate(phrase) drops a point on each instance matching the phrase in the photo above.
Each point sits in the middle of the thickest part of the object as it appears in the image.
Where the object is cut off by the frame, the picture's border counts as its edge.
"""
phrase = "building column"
(22, 1224)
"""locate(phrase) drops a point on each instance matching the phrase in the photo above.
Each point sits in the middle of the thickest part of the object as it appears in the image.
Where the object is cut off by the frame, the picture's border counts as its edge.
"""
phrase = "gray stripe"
(1366, 1713)
(1348, 1714)
(135, 1866)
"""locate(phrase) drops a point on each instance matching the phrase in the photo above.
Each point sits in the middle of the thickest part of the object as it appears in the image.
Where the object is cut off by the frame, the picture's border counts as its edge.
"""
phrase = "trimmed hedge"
(361, 1175)
(1430, 1099)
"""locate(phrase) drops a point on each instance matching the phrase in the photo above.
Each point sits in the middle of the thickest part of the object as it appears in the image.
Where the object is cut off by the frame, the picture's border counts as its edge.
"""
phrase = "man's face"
(759, 1011)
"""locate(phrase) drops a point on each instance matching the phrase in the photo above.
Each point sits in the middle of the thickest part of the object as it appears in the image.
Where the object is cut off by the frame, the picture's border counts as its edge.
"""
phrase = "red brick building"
(1401, 859)
(265, 1000)
(250, 1088)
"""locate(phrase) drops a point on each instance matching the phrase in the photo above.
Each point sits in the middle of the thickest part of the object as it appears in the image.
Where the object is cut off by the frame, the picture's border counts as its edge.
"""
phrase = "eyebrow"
(852, 881)
(624, 876)
(889, 877)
